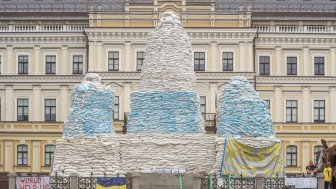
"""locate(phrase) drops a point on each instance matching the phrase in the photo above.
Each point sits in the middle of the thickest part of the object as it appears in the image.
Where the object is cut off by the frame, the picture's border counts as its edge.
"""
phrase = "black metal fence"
(57, 182)
(241, 182)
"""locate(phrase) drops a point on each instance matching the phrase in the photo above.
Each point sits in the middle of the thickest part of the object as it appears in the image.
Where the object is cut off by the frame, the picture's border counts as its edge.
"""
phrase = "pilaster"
(36, 164)
(278, 62)
(9, 104)
(305, 105)
(278, 104)
(213, 56)
(64, 105)
(37, 103)
(128, 53)
(8, 155)
(242, 56)
(213, 91)
(37, 57)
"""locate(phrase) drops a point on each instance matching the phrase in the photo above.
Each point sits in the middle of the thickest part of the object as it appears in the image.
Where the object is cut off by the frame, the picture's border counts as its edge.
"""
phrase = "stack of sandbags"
(241, 112)
(145, 153)
(168, 61)
(99, 156)
(91, 109)
(165, 112)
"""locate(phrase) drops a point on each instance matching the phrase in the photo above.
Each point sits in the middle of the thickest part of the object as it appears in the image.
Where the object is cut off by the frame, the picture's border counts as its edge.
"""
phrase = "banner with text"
(32, 183)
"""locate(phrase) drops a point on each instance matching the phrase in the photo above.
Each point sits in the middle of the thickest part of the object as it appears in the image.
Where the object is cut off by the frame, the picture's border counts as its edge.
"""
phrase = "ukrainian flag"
(111, 183)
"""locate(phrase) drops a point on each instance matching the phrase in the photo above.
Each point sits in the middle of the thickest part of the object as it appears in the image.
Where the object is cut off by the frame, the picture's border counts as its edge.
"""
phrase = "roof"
(118, 5)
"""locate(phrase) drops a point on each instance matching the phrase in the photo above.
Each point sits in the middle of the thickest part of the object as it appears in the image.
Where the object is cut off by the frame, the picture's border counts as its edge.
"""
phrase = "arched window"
(291, 156)
(49, 154)
(317, 150)
(22, 154)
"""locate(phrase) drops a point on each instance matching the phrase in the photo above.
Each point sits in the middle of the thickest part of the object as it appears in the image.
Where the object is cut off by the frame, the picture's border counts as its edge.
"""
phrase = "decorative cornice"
(42, 38)
(299, 80)
(296, 39)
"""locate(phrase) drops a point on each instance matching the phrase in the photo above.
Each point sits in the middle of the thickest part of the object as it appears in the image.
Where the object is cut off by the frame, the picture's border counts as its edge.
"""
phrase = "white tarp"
(301, 182)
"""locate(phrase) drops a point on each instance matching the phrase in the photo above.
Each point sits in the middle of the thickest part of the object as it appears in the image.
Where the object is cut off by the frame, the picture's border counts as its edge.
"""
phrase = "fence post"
(259, 181)
(197, 181)
(320, 181)
(11, 180)
(73, 180)
(135, 181)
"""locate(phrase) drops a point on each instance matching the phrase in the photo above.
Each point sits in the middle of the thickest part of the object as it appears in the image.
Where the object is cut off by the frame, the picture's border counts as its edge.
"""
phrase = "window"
(264, 65)
(319, 65)
(140, 60)
(268, 104)
(50, 64)
(23, 64)
(77, 63)
(199, 61)
(113, 61)
(50, 110)
(317, 150)
(291, 156)
(291, 66)
(319, 110)
(116, 108)
(203, 106)
(49, 154)
(0, 63)
(227, 61)
(22, 109)
(22, 154)
(291, 111)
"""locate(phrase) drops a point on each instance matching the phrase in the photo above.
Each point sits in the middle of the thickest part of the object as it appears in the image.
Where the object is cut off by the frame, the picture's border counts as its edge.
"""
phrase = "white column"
(127, 96)
(213, 92)
(278, 104)
(99, 56)
(306, 109)
(64, 107)
(214, 57)
(332, 106)
(305, 63)
(333, 61)
(278, 62)
(10, 64)
(37, 103)
(250, 57)
(36, 161)
(305, 156)
(37, 60)
(128, 55)
(9, 155)
(242, 56)
(64, 63)
(91, 58)
(9, 103)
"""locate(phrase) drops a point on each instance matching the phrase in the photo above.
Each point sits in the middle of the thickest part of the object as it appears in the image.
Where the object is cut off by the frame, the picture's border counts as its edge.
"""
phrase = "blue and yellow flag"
(111, 183)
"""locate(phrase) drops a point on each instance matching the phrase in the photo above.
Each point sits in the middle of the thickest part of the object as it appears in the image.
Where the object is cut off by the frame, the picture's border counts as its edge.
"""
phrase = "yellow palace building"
(286, 49)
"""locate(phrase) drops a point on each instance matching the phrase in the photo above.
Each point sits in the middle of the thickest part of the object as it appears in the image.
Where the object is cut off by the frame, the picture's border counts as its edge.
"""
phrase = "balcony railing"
(295, 29)
(43, 28)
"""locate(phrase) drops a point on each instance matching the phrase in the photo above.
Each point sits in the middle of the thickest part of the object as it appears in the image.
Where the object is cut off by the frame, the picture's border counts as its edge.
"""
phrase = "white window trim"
(30, 108)
(258, 55)
(22, 53)
(297, 63)
(43, 107)
(44, 152)
(326, 104)
(298, 109)
(233, 50)
(16, 152)
(45, 54)
(136, 50)
(72, 61)
(201, 50)
(313, 63)
(109, 49)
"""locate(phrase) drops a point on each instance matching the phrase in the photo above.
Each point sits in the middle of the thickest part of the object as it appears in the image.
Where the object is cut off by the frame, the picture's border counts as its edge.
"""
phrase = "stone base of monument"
(152, 153)
(97, 156)
(248, 157)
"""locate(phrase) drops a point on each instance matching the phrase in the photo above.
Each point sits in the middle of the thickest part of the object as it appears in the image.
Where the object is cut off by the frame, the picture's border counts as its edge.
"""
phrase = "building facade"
(286, 49)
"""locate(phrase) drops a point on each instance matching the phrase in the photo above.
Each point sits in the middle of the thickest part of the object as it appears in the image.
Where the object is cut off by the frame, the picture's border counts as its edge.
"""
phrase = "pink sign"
(32, 183)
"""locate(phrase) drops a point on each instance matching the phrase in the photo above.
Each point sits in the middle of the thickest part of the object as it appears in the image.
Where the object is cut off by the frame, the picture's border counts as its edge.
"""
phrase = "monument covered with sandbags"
(165, 126)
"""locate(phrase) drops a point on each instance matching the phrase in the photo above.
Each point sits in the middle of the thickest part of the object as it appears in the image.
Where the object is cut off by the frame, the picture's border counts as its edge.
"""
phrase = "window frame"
(50, 110)
(139, 60)
(227, 68)
(318, 64)
(115, 67)
(78, 71)
(319, 111)
(22, 152)
(50, 157)
(116, 106)
(290, 65)
(25, 65)
(291, 108)
(203, 105)
(52, 69)
(1, 63)
(199, 59)
(264, 63)
(23, 110)
(291, 156)
(316, 153)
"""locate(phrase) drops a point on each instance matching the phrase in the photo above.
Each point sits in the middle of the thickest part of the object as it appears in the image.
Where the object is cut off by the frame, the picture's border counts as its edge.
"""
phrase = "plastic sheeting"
(242, 113)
